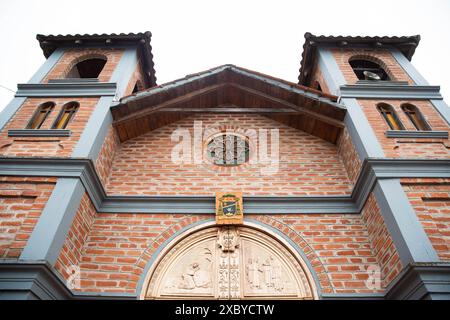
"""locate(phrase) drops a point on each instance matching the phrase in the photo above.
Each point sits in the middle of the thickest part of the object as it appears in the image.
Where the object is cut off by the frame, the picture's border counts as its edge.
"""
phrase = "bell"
(371, 76)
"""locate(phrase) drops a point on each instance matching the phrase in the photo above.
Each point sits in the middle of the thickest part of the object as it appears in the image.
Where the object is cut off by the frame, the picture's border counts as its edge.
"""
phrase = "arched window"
(389, 114)
(42, 112)
(416, 117)
(89, 68)
(66, 115)
(368, 70)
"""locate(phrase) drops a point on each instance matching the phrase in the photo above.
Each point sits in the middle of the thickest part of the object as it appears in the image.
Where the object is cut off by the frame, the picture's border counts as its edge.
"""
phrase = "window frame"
(383, 109)
(420, 123)
(50, 105)
(76, 106)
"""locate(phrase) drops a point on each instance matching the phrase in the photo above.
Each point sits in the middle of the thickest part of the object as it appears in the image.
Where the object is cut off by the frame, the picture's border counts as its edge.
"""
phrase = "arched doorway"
(227, 262)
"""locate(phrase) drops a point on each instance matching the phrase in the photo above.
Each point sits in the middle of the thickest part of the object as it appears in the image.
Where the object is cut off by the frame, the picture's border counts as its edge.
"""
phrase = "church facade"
(227, 183)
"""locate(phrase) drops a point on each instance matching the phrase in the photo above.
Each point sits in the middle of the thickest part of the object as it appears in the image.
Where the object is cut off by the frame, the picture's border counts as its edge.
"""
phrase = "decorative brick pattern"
(72, 56)
(308, 165)
(383, 57)
(407, 147)
(45, 146)
(337, 245)
(120, 245)
(381, 242)
(21, 203)
(430, 199)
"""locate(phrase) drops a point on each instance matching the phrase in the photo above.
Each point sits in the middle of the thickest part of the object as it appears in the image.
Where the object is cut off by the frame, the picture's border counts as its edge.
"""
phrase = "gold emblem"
(229, 208)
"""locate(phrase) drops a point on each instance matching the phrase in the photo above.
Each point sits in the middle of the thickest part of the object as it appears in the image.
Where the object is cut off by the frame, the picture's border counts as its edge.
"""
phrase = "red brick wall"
(107, 152)
(349, 156)
(45, 146)
(73, 249)
(381, 242)
(406, 147)
(430, 199)
(384, 57)
(21, 203)
(72, 56)
(119, 246)
(308, 165)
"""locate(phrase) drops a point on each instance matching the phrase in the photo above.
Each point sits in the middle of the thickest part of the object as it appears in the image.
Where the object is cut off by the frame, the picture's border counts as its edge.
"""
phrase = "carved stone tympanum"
(229, 263)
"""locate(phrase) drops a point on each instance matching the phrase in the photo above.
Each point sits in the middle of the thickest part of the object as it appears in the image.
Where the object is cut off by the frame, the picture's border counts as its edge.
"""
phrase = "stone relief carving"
(229, 263)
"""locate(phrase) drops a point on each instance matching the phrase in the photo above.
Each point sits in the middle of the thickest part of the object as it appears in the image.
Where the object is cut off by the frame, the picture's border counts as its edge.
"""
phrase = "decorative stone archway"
(227, 262)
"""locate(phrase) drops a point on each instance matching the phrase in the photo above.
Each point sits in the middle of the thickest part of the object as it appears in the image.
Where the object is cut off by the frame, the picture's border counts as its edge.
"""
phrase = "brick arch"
(161, 241)
(311, 256)
(151, 256)
(85, 55)
(375, 59)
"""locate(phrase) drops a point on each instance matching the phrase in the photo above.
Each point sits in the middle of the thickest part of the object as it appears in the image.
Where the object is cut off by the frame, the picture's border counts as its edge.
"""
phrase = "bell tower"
(398, 125)
(57, 125)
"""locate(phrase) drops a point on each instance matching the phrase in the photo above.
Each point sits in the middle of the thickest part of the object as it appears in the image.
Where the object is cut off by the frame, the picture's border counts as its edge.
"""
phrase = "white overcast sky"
(191, 36)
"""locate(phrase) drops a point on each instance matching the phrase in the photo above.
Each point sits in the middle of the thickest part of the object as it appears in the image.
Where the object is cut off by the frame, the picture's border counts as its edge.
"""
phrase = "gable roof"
(406, 45)
(49, 43)
(229, 89)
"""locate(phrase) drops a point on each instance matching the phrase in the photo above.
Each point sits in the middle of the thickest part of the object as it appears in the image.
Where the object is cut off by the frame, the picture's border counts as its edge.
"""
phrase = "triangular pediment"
(229, 89)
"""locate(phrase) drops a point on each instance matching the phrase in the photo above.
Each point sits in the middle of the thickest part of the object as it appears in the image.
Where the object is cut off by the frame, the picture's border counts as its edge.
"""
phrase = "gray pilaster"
(10, 110)
(409, 68)
(330, 71)
(47, 66)
(408, 235)
(443, 109)
(97, 127)
(51, 230)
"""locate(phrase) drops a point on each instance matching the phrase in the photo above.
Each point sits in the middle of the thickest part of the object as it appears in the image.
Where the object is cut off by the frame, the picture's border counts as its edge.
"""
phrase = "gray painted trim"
(83, 169)
(39, 133)
(443, 109)
(50, 232)
(125, 69)
(408, 235)
(25, 280)
(66, 89)
(353, 296)
(361, 131)
(330, 70)
(408, 67)
(47, 66)
(417, 134)
(421, 281)
(91, 140)
(378, 90)
(9, 111)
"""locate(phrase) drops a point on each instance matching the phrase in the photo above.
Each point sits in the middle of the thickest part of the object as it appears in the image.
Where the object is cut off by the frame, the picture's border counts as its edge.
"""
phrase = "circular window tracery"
(228, 150)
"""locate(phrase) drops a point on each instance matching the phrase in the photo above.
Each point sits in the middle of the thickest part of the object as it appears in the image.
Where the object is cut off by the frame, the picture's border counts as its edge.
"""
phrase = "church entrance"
(229, 263)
